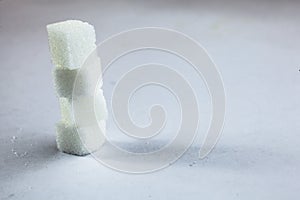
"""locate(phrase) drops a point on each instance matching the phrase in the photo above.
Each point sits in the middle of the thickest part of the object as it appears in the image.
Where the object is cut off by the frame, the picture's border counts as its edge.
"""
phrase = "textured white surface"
(69, 141)
(70, 42)
(64, 79)
(256, 47)
(85, 106)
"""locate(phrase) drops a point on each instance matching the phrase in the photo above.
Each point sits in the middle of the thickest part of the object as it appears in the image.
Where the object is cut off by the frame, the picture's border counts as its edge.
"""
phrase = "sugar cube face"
(69, 141)
(64, 79)
(70, 42)
(66, 111)
(86, 109)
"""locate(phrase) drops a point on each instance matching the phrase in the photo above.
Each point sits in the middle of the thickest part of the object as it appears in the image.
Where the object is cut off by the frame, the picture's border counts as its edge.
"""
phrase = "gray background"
(256, 47)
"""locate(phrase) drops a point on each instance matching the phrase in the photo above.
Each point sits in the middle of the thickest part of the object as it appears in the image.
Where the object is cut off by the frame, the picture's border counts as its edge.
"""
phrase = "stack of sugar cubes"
(70, 43)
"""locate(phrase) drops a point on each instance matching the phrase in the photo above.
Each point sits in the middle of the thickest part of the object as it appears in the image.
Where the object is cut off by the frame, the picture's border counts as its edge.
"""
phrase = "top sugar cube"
(71, 42)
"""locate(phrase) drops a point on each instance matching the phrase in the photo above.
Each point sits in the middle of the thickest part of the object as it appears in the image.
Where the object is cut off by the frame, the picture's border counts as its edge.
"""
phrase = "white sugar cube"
(84, 135)
(69, 141)
(70, 42)
(64, 79)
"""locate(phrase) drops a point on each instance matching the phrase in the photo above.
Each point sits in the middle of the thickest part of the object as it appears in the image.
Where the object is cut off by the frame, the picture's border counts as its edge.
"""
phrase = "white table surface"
(256, 47)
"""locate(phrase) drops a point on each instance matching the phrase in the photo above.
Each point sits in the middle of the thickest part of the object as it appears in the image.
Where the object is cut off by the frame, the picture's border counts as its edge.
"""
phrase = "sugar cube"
(69, 141)
(70, 42)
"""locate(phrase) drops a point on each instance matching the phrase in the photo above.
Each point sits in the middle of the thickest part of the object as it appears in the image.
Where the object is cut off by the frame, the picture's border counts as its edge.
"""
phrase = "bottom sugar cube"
(87, 133)
(80, 140)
